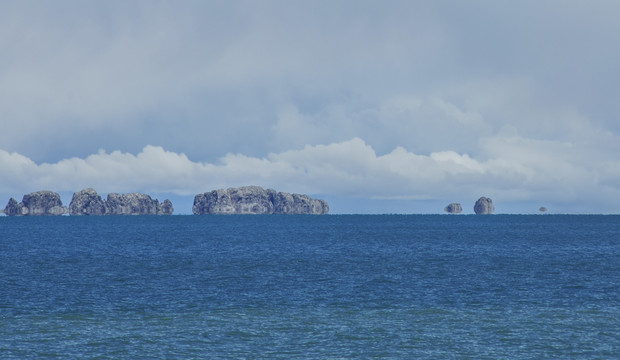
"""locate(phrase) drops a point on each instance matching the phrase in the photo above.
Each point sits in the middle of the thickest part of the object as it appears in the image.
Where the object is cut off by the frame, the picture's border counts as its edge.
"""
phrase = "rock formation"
(13, 208)
(131, 204)
(256, 200)
(165, 208)
(40, 203)
(484, 206)
(88, 202)
(542, 209)
(454, 208)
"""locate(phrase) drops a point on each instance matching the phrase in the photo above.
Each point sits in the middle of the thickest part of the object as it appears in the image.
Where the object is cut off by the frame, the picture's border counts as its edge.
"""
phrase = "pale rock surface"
(40, 203)
(165, 208)
(136, 204)
(87, 202)
(256, 200)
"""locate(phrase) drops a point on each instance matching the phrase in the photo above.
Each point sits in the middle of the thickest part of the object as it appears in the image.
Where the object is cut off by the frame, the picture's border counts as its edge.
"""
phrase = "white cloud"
(417, 123)
(519, 170)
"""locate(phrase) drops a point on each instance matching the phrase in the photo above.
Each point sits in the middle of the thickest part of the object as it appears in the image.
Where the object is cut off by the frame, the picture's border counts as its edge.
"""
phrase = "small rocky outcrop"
(40, 203)
(454, 208)
(13, 208)
(256, 200)
(542, 209)
(484, 206)
(88, 202)
(165, 208)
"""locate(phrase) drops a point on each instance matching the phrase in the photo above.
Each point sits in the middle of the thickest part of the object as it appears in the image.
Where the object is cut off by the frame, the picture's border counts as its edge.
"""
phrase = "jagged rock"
(299, 204)
(454, 208)
(252, 200)
(256, 200)
(484, 206)
(87, 202)
(40, 203)
(214, 202)
(165, 208)
(13, 208)
(131, 204)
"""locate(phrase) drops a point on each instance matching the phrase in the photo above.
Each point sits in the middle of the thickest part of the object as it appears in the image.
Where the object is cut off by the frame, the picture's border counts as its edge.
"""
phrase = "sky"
(376, 106)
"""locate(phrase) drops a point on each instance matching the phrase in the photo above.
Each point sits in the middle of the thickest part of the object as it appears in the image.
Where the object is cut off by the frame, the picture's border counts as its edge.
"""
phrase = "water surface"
(336, 286)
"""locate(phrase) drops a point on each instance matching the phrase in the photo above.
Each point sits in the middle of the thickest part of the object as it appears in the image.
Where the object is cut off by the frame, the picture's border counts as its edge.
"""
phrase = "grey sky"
(414, 100)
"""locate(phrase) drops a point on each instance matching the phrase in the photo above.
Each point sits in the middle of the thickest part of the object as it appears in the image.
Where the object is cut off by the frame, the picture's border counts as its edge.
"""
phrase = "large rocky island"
(40, 203)
(87, 202)
(256, 200)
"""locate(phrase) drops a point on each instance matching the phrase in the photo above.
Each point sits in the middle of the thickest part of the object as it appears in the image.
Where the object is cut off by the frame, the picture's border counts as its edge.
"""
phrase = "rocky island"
(87, 202)
(40, 203)
(484, 206)
(454, 208)
(256, 200)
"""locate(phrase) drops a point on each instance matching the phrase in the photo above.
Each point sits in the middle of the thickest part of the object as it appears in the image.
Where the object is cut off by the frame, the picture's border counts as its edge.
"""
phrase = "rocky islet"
(40, 203)
(484, 206)
(453, 208)
(87, 202)
(256, 200)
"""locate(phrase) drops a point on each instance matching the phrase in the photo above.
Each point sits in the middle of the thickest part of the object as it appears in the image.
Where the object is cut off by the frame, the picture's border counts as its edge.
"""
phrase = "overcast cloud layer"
(409, 100)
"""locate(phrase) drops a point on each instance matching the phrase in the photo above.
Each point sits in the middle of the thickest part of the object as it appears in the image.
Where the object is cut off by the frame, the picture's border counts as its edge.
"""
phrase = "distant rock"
(165, 208)
(256, 200)
(285, 203)
(13, 208)
(542, 209)
(484, 206)
(40, 203)
(136, 204)
(131, 204)
(88, 202)
(454, 208)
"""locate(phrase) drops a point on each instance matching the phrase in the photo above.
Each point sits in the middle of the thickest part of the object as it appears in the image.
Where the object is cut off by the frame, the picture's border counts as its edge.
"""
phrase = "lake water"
(302, 287)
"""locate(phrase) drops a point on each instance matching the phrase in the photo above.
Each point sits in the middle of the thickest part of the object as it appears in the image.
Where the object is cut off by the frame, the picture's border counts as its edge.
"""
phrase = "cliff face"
(256, 200)
(484, 206)
(88, 202)
(131, 204)
(40, 203)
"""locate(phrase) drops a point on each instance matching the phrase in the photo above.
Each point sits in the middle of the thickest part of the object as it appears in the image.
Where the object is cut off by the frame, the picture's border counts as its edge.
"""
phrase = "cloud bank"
(516, 170)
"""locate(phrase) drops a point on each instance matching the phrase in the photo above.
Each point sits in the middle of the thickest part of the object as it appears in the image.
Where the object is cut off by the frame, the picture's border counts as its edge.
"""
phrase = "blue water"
(324, 287)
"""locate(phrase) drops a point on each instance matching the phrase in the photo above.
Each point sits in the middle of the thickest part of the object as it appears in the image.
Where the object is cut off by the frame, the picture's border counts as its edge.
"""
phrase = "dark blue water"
(437, 286)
